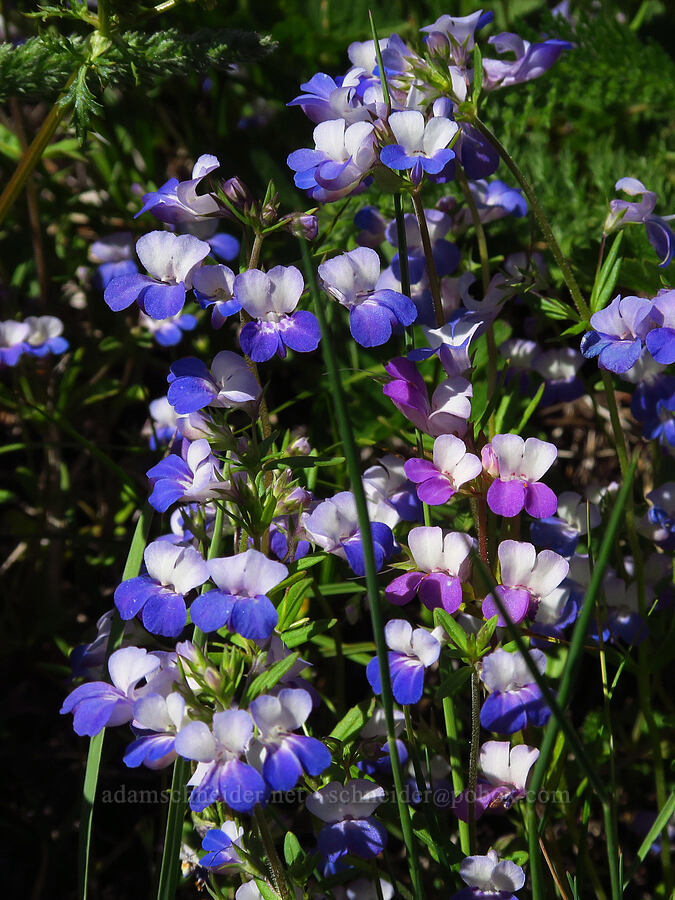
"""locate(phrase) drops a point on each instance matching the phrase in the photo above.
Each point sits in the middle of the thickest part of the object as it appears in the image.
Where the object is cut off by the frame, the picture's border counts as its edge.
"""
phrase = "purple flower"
(220, 774)
(514, 700)
(283, 755)
(619, 332)
(214, 287)
(99, 705)
(221, 845)
(178, 202)
(328, 99)
(489, 878)
(193, 476)
(529, 580)
(660, 340)
(421, 148)
(450, 405)
(171, 260)
(270, 299)
(340, 160)
(228, 384)
(504, 773)
(386, 485)
(477, 155)
(161, 718)
(347, 809)
(411, 652)
(158, 595)
(452, 467)
(371, 227)
(333, 525)
(659, 522)
(460, 32)
(517, 466)
(168, 332)
(625, 212)
(531, 60)
(115, 256)
(494, 200)
(353, 279)
(13, 341)
(241, 603)
(162, 428)
(442, 563)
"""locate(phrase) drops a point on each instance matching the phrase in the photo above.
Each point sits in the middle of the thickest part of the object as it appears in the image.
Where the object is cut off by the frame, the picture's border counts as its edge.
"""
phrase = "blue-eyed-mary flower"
(421, 148)
(281, 754)
(98, 704)
(452, 467)
(528, 581)
(618, 334)
(559, 367)
(171, 260)
(562, 531)
(489, 878)
(517, 466)
(241, 603)
(442, 563)
(531, 60)
(626, 212)
(347, 809)
(193, 476)
(270, 299)
(387, 486)
(45, 336)
(177, 202)
(158, 595)
(228, 384)
(410, 653)
(161, 428)
(448, 410)
(503, 778)
(446, 254)
(221, 845)
(515, 700)
(214, 287)
(333, 525)
(221, 775)
(343, 155)
(13, 341)
(168, 332)
(114, 255)
(660, 339)
(353, 280)
(157, 719)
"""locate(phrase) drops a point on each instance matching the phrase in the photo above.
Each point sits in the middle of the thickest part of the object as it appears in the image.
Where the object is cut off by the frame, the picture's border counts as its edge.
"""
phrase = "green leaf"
(484, 636)
(304, 633)
(303, 462)
(268, 893)
(529, 410)
(266, 680)
(454, 682)
(607, 277)
(292, 849)
(453, 630)
(477, 76)
(293, 600)
(352, 722)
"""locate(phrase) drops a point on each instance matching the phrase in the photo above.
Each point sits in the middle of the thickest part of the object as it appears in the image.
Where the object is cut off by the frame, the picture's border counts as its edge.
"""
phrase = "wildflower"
(452, 467)
(460, 32)
(372, 227)
(13, 341)
(618, 333)
(660, 341)
(164, 717)
(114, 255)
(446, 254)
(488, 877)
(504, 773)
(410, 653)
(531, 60)
(168, 332)
(228, 384)
(221, 845)
(442, 564)
(494, 200)
(171, 260)
(333, 525)
(659, 522)
(517, 466)
(515, 700)
(450, 405)
(348, 811)
(283, 755)
(559, 368)
(241, 603)
(561, 532)
(178, 202)
(528, 580)
(387, 486)
(221, 775)
(353, 280)
(625, 212)
(193, 476)
(421, 148)
(375, 747)
(158, 595)
(161, 428)
(97, 704)
(214, 287)
(270, 298)
(342, 156)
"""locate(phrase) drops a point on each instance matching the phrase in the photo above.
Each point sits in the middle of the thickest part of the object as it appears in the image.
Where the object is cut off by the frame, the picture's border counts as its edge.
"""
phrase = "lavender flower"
(625, 212)
(504, 773)
(178, 202)
(488, 878)
(347, 809)
(517, 466)
(342, 157)
(114, 255)
(452, 467)
(619, 332)
(411, 652)
(161, 718)
(214, 287)
(531, 60)
(193, 476)
(515, 700)
(168, 332)
(228, 384)
(450, 405)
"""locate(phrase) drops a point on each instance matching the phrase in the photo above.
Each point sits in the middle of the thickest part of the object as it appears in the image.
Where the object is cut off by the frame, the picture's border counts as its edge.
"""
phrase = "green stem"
(473, 756)
(434, 280)
(456, 768)
(353, 469)
(277, 871)
(540, 216)
(33, 154)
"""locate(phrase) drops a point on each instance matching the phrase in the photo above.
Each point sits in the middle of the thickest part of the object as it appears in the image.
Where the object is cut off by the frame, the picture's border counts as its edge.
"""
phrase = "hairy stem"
(434, 280)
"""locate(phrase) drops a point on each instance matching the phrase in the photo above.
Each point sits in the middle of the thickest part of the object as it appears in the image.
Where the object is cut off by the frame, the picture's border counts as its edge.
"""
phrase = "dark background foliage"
(66, 512)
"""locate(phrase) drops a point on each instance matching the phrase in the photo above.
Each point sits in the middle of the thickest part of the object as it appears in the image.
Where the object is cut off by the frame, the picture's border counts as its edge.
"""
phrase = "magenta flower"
(442, 564)
(450, 405)
(517, 466)
(452, 467)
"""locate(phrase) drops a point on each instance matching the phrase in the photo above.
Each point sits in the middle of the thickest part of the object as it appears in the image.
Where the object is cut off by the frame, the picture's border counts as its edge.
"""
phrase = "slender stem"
(244, 318)
(455, 767)
(277, 870)
(473, 756)
(33, 154)
(534, 855)
(434, 281)
(403, 263)
(540, 216)
(352, 459)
